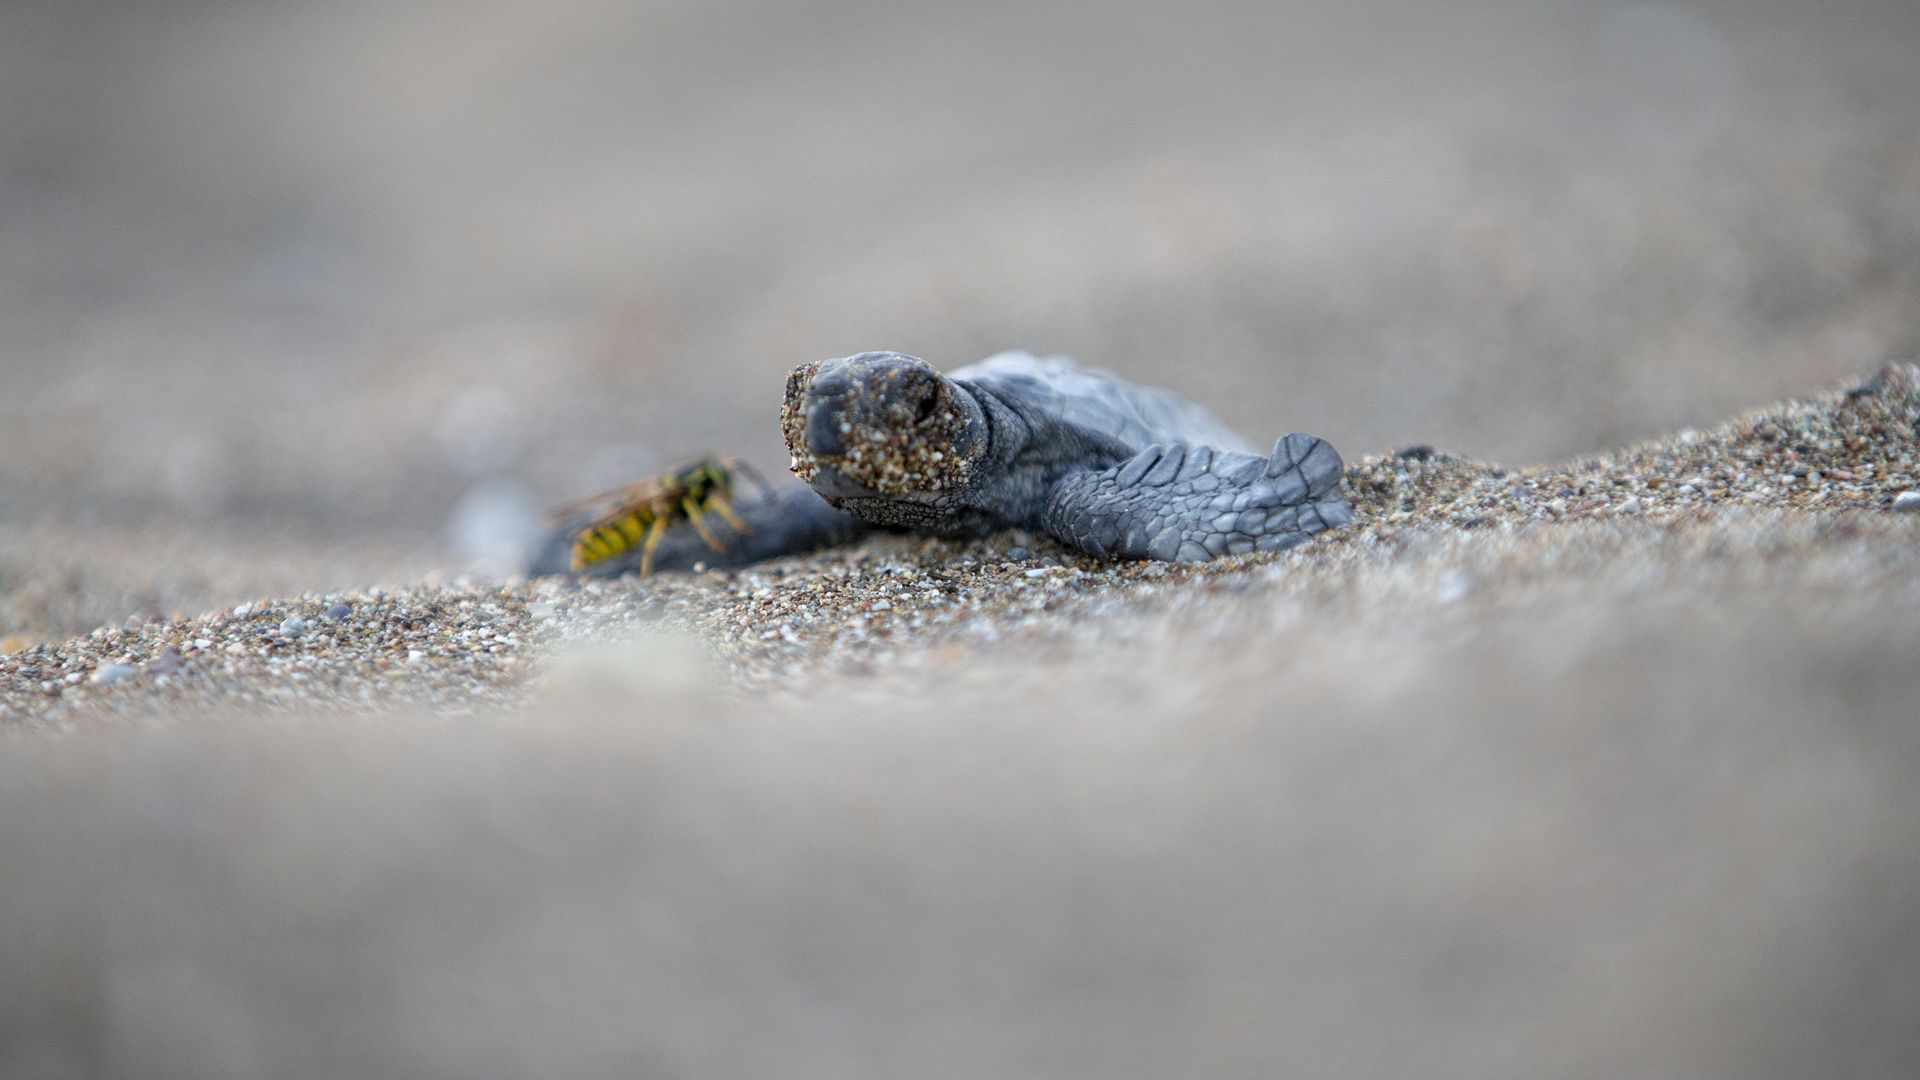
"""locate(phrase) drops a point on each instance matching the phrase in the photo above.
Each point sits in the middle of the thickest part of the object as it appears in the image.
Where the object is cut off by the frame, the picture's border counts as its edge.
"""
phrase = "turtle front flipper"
(786, 520)
(1183, 503)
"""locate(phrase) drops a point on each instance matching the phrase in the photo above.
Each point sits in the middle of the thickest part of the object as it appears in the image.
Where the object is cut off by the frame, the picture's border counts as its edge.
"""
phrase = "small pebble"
(292, 626)
(338, 612)
(1907, 502)
(109, 674)
(169, 662)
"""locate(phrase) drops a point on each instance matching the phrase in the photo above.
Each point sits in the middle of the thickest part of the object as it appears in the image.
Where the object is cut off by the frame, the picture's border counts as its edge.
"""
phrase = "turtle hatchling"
(1103, 465)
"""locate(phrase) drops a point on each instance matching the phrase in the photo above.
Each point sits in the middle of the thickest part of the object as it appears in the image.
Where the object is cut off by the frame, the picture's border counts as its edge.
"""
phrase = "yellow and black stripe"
(640, 514)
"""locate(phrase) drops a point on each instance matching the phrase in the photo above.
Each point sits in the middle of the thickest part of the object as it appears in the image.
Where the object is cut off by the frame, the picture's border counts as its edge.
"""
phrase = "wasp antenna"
(752, 474)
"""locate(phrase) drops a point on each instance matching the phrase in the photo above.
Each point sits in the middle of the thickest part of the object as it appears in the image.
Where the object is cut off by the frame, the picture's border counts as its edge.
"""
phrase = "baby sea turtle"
(1015, 441)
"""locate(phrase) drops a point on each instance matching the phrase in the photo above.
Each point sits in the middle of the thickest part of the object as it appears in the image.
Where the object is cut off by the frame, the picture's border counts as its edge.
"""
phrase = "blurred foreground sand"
(1662, 836)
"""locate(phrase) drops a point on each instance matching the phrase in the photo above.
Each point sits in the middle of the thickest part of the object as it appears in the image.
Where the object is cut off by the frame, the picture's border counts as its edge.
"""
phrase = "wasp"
(640, 514)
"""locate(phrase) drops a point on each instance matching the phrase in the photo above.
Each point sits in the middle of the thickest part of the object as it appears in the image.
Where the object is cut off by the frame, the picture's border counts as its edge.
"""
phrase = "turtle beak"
(831, 483)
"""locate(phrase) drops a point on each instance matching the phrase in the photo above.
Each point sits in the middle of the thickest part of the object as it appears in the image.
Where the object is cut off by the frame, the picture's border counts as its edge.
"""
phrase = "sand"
(1602, 768)
(1795, 489)
(1594, 769)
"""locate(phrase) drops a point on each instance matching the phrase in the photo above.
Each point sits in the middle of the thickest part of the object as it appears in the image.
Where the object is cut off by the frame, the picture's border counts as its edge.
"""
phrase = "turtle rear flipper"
(1184, 503)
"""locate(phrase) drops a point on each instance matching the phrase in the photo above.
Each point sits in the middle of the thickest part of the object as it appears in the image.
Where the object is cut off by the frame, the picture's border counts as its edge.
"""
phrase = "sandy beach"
(1814, 497)
(1594, 768)
(1586, 751)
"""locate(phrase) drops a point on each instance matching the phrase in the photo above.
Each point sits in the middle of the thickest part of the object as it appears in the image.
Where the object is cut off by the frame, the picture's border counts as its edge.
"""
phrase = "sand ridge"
(1817, 480)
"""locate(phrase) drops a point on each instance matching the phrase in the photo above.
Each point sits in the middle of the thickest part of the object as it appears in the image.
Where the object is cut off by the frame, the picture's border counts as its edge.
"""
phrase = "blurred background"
(384, 280)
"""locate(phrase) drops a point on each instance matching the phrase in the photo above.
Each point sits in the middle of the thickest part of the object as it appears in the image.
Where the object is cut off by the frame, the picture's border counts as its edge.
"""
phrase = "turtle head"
(880, 426)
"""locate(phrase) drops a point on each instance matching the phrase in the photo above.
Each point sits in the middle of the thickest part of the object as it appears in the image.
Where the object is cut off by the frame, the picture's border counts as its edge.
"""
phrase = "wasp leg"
(693, 515)
(654, 532)
(718, 504)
